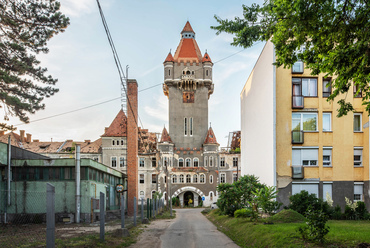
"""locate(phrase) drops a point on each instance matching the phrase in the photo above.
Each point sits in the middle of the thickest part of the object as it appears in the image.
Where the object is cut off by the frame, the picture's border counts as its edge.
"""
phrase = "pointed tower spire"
(165, 137)
(210, 138)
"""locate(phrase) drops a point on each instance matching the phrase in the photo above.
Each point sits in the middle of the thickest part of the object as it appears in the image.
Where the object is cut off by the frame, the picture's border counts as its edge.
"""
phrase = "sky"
(143, 32)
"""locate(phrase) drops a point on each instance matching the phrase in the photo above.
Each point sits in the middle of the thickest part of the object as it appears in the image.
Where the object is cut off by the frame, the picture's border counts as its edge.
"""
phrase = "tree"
(330, 37)
(25, 28)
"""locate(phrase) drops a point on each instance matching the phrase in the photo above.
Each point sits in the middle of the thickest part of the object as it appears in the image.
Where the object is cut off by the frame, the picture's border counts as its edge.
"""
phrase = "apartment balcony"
(297, 102)
(297, 137)
(297, 172)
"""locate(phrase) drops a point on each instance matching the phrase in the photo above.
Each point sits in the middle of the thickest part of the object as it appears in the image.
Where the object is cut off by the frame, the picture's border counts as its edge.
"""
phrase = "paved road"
(192, 230)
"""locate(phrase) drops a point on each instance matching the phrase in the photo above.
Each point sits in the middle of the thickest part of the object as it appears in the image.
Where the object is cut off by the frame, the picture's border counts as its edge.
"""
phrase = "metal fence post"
(135, 211)
(153, 202)
(147, 208)
(122, 211)
(102, 216)
(142, 210)
(171, 207)
(50, 215)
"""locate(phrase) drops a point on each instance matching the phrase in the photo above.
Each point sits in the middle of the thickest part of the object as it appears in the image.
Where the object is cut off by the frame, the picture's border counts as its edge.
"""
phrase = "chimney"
(36, 140)
(28, 139)
(2, 133)
(105, 130)
(87, 141)
(22, 135)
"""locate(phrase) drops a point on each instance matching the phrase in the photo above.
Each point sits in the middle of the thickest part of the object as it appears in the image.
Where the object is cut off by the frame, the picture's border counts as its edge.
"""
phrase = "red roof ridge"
(206, 58)
(118, 126)
(187, 28)
(169, 58)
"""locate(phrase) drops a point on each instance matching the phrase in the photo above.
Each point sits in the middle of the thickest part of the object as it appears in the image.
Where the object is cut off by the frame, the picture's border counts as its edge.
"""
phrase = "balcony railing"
(297, 137)
(298, 102)
(297, 172)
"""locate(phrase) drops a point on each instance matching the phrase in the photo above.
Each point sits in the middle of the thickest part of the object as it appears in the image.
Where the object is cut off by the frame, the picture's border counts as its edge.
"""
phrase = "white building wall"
(257, 119)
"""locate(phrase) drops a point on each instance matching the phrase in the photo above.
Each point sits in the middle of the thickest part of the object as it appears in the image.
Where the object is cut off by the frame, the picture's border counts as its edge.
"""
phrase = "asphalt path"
(191, 229)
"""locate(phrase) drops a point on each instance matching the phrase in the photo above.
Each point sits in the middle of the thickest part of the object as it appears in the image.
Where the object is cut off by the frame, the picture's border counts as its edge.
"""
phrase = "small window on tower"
(206, 72)
(192, 72)
(169, 72)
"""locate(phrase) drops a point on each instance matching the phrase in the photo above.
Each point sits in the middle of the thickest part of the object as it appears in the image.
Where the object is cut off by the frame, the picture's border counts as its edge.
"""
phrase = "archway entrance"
(188, 195)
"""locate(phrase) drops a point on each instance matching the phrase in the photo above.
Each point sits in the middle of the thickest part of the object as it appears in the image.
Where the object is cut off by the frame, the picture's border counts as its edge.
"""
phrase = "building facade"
(292, 139)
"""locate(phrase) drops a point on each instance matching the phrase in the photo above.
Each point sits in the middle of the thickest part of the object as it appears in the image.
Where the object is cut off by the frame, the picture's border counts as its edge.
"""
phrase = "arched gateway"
(185, 192)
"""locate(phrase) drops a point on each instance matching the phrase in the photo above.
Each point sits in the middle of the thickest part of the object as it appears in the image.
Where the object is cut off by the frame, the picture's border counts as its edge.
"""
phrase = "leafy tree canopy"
(25, 28)
(330, 37)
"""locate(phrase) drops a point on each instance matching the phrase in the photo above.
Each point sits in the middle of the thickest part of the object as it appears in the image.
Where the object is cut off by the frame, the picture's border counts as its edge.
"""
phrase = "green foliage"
(237, 195)
(337, 213)
(157, 195)
(243, 213)
(334, 36)
(25, 28)
(287, 216)
(175, 201)
(302, 201)
(315, 229)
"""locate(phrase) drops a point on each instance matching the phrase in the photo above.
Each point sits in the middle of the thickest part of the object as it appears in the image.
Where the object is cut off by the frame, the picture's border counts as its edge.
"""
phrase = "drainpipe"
(78, 184)
(8, 180)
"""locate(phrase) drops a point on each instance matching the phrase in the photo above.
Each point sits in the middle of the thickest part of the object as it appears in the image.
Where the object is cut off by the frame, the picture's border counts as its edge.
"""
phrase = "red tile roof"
(118, 127)
(210, 138)
(165, 136)
(206, 58)
(187, 28)
(188, 51)
(169, 58)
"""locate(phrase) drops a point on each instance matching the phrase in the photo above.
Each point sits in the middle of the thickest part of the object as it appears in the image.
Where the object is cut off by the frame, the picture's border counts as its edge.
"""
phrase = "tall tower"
(188, 86)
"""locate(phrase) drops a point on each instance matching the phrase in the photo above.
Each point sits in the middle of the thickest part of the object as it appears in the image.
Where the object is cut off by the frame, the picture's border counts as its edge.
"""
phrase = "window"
(297, 67)
(326, 122)
(326, 157)
(222, 161)
(327, 191)
(235, 162)
(191, 126)
(169, 72)
(311, 188)
(358, 191)
(122, 142)
(326, 88)
(187, 162)
(195, 179)
(181, 178)
(142, 194)
(121, 162)
(223, 177)
(305, 156)
(235, 177)
(141, 162)
(181, 162)
(205, 161)
(357, 157)
(355, 93)
(211, 179)
(154, 162)
(113, 142)
(206, 72)
(210, 161)
(154, 178)
(114, 161)
(185, 126)
(211, 196)
(188, 179)
(304, 121)
(308, 86)
(174, 179)
(196, 162)
(201, 178)
(357, 121)
(141, 178)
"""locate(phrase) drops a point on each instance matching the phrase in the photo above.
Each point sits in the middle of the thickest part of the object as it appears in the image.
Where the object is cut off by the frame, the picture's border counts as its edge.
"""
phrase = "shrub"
(315, 229)
(361, 210)
(301, 201)
(243, 213)
(287, 216)
(337, 213)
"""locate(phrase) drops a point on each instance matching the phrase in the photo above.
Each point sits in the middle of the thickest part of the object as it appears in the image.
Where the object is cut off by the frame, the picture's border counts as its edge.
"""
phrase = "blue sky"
(143, 32)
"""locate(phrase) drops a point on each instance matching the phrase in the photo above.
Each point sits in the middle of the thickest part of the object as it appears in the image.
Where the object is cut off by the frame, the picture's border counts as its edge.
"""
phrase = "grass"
(247, 234)
(166, 215)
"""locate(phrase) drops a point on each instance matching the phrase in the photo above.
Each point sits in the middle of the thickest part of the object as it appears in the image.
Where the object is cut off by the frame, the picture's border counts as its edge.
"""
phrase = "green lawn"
(247, 234)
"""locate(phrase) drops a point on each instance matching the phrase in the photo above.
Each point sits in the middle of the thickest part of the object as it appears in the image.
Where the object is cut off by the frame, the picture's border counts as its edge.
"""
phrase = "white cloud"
(77, 8)
(159, 110)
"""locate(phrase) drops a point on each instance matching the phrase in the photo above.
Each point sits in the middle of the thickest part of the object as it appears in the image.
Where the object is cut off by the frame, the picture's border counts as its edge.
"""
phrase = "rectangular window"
(235, 162)
(141, 162)
(304, 121)
(223, 177)
(355, 93)
(141, 178)
(311, 188)
(154, 162)
(327, 189)
(154, 178)
(326, 88)
(326, 157)
(309, 86)
(357, 157)
(222, 161)
(358, 192)
(357, 121)
(191, 126)
(305, 156)
(114, 161)
(121, 162)
(185, 126)
(235, 177)
(326, 122)
(297, 67)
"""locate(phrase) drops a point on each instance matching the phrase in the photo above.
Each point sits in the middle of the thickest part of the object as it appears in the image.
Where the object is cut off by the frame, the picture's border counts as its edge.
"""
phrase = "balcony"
(297, 172)
(297, 137)
(298, 102)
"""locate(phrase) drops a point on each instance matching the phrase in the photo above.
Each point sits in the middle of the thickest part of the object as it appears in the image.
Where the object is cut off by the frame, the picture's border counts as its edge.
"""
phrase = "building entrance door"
(188, 198)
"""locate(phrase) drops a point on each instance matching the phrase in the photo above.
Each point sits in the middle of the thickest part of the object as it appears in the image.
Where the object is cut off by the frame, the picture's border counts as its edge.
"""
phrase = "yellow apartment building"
(292, 139)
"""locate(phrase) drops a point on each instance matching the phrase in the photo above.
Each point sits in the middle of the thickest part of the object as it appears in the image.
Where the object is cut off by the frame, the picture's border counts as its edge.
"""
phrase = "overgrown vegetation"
(315, 229)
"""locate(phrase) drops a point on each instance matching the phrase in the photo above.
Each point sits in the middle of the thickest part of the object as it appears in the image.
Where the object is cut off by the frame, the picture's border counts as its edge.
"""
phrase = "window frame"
(205, 161)
(360, 122)
(330, 157)
(301, 120)
(326, 93)
(188, 178)
(222, 162)
(154, 162)
(113, 159)
(188, 162)
(235, 161)
(181, 162)
(141, 162)
(301, 155)
(195, 178)
(235, 177)
(174, 178)
(301, 67)
(185, 126)
(360, 161)
(121, 162)
(359, 95)
(142, 180)
(196, 162)
(202, 178)
(154, 178)
(359, 185)
(299, 80)
(330, 121)
(222, 177)
(191, 126)
(211, 179)
(181, 178)
(210, 161)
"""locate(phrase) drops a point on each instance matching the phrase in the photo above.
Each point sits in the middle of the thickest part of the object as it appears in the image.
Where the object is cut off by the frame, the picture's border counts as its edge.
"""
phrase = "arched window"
(165, 162)
(205, 161)
(169, 72)
(122, 142)
(206, 72)
(201, 178)
(181, 162)
(142, 194)
(188, 162)
(181, 179)
(211, 196)
(210, 161)
(174, 179)
(153, 192)
(196, 162)
(195, 179)
(188, 179)
(211, 179)
(113, 142)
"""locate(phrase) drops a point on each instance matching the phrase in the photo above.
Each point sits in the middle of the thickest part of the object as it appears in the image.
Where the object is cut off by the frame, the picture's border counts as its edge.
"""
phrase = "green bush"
(301, 201)
(287, 216)
(337, 213)
(243, 213)
(175, 201)
(315, 229)
(361, 210)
